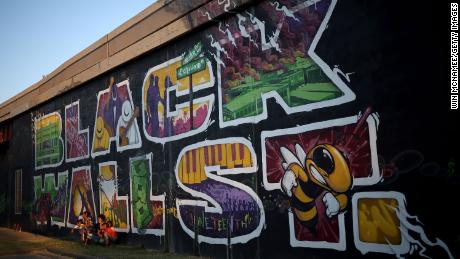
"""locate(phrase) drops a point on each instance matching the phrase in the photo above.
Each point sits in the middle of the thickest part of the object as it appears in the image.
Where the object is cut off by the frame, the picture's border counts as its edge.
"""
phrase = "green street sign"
(193, 53)
(191, 68)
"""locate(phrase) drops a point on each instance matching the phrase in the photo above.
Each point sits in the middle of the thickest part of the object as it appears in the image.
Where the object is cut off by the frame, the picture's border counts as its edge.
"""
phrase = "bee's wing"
(289, 157)
(301, 155)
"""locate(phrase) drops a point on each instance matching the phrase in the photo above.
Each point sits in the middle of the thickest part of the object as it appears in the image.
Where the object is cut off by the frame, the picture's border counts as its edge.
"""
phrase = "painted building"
(245, 129)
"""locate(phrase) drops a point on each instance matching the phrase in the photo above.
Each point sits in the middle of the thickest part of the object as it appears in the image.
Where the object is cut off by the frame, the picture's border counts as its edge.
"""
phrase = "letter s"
(235, 209)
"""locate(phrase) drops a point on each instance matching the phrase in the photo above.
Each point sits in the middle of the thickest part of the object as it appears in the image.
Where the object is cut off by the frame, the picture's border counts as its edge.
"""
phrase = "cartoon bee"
(307, 176)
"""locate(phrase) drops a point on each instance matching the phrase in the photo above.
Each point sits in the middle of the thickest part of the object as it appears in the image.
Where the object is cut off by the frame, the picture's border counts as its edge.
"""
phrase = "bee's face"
(328, 168)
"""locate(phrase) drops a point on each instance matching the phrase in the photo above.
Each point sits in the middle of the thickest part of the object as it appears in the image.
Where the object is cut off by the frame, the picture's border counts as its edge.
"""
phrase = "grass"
(115, 251)
(67, 247)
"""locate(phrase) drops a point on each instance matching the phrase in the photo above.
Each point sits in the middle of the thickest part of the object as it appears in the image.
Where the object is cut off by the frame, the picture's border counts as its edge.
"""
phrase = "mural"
(177, 79)
(49, 146)
(316, 165)
(354, 136)
(236, 212)
(271, 54)
(76, 140)
(81, 195)
(116, 119)
(50, 199)
(214, 173)
(147, 210)
(112, 205)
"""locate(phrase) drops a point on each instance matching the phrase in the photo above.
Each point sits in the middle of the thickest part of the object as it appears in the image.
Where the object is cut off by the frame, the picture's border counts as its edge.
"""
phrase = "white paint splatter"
(244, 33)
(229, 34)
(275, 36)
(272, 41)
(403, 216)
(338, 71)
(285, 10)
(205, 14)
(227, 4)
(217, 59)
(311, 2)
(216, 45)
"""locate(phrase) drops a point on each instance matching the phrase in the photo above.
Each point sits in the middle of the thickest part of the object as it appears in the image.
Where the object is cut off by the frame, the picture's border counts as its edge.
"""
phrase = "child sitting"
(110, 234)
(98, 237)
(80, 227)
(89, 228)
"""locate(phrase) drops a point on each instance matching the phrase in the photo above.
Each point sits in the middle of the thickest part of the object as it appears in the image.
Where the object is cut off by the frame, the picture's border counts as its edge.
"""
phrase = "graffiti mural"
(49, 146)
(50, 199)
(254, 143)
(41, 204)
(271, 54)
(112, 205)
(180, 77)
(316, 165)
(382, 224)
(236, 212)
(147, 210)
(76, 140)
(116, 119)
(354, 136)
(81, 195)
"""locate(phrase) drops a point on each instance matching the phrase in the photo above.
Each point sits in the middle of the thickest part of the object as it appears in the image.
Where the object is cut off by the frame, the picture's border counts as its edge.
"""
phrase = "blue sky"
(36, 36)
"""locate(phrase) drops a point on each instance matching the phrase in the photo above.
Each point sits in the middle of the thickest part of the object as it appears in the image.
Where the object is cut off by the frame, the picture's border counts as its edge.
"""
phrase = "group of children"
(102, 232)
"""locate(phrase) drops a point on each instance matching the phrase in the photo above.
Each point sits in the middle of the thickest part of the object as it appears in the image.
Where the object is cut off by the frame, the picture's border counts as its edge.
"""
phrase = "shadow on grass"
(68, 246)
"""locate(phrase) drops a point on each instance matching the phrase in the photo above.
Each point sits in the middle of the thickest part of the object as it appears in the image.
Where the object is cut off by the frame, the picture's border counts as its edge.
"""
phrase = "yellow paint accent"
(102, 139)
(238, 161)
(297, 191)
(105, 207)
(343, 200)
(77, 202)
(378, 222)
(184, 168)
(299, 172)
(247, 160)
(107, 172)
(43, 122)
(146, 88)
(223, 160)
(201, 165)
(198, 175)
(181, 169)
(209, 162)
(161, 110)
(306, 215)
(189, 173)
(230, 162)
(198, 78)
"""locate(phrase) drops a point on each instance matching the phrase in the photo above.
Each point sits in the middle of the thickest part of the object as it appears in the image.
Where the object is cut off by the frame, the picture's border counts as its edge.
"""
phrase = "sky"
(37, 36)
